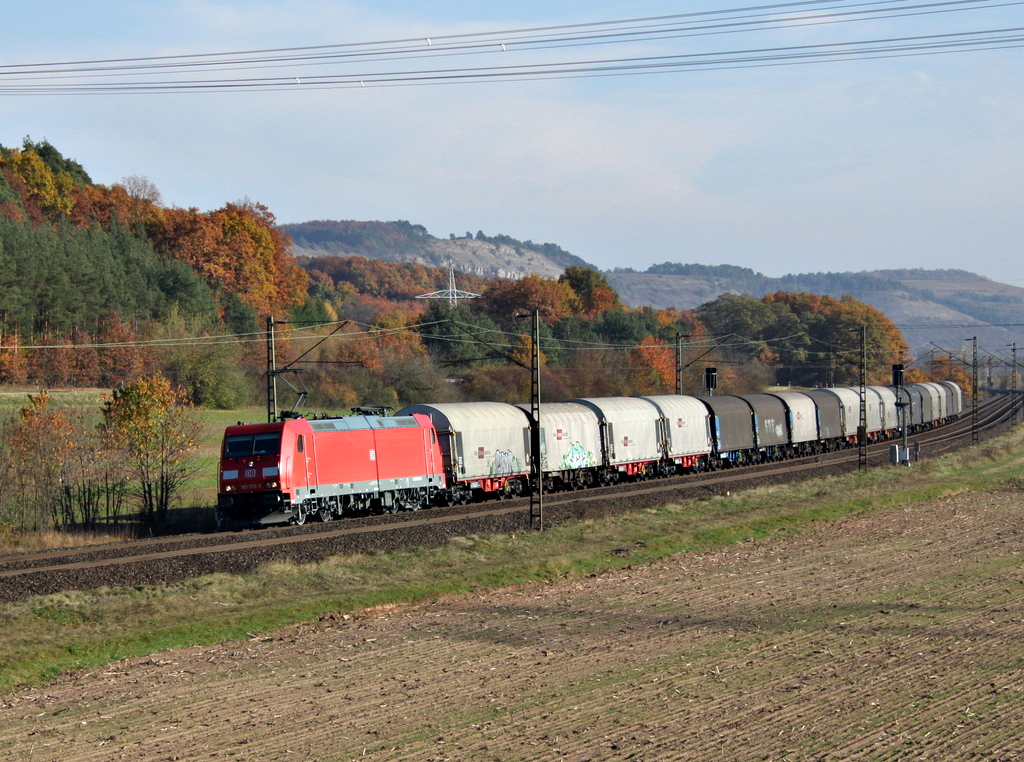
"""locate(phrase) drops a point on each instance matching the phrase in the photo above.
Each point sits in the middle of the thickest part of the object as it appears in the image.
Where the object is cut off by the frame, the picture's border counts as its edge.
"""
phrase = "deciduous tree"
(944, 368)
(591, 288)
(237, 249)
(503, 299)
(654, 366)
(152, 424)
(52, 192)
(13, 360)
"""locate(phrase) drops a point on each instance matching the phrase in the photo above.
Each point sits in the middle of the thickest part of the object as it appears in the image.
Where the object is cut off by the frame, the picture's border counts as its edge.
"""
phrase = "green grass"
(44, 636)
(13, 399)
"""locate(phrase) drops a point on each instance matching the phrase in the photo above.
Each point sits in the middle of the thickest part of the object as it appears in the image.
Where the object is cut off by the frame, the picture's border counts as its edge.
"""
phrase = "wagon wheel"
(300, 515)
(326, 514)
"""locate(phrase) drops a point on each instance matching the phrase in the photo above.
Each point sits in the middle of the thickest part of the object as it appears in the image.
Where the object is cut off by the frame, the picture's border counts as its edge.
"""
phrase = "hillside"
(943, 307)
(400, 241)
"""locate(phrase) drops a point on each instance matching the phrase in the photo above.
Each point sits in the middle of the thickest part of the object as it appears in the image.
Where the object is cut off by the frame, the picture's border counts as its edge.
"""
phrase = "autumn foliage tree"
(809, 340)
(945, 368)
(504, 299)
(135, 204)
(237, 249)
(58, 472)
(13, 360)
(152, 425)
(594, 295)
(41, 443)
(48, 191)
(655, 366)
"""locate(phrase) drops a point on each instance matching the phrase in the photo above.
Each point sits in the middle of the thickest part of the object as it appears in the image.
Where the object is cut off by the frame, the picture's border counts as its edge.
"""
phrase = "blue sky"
(852, 165)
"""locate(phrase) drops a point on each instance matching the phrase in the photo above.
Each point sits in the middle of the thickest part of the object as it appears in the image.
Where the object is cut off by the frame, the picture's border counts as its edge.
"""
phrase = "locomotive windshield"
(247, 445)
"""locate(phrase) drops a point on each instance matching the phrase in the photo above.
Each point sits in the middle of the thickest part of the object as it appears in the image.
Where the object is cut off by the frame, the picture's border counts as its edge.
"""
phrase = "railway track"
(167, 560)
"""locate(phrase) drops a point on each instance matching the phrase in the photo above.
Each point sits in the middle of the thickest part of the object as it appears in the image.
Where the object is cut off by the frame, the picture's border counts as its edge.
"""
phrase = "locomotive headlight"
(272, 485)
(229, 487)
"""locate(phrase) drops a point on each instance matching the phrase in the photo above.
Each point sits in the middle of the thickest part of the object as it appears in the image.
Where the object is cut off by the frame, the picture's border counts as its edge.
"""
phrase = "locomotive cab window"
(266, 444)
(238, 447)
(247, 445)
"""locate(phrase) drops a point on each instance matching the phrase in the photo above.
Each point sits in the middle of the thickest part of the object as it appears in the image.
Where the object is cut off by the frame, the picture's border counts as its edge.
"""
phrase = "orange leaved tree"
(152, 425)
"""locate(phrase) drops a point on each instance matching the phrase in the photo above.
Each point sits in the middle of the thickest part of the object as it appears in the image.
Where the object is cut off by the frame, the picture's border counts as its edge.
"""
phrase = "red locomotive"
(291, 470)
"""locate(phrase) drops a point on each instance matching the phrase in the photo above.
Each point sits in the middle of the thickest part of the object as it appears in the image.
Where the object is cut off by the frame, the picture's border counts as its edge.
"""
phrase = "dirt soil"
(896, 636)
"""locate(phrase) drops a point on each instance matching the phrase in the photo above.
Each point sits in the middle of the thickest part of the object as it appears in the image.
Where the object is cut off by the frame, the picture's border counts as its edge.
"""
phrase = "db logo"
(250, 473)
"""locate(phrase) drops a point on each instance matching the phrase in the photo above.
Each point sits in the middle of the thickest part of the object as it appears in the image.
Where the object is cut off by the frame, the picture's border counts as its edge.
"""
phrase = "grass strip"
(42, 637)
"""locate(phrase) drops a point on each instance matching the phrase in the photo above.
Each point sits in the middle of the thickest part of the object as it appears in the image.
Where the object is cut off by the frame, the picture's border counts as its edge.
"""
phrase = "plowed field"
(896, 636)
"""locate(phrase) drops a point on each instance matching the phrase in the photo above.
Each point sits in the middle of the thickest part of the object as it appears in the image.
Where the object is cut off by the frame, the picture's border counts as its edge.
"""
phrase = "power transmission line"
(304, 66)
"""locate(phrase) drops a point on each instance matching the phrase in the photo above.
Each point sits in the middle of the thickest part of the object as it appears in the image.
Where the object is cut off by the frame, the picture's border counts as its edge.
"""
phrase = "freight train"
(455, 453)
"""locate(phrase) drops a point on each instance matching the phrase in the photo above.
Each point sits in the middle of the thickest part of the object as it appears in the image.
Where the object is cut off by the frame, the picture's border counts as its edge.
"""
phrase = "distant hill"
(943, 307)
(931, 307)
(401, 241)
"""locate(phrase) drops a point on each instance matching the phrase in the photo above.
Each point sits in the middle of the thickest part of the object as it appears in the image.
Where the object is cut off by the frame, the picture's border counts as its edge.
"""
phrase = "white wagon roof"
(619, 408)
(480, 439)
(470, 416)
